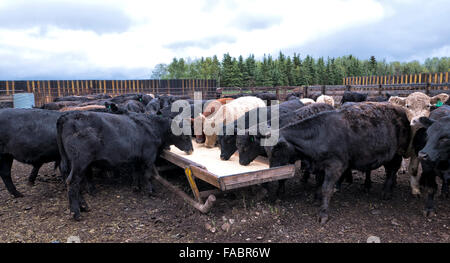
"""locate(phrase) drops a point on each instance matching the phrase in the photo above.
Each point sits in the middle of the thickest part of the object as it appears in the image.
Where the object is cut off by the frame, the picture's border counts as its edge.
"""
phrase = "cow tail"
(64, 163)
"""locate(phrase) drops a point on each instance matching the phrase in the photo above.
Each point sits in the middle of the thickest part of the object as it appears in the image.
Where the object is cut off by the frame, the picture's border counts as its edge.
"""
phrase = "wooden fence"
(441, 77)
(336, 91)
(46, 90)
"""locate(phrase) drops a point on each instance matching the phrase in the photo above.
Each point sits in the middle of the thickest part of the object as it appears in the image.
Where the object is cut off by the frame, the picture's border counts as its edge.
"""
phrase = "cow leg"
(429, 203)
(305, 176)
(413, 174)
(319, 183)
(281, 187)
(391, 176)
(332, 174)
(34, 173)
(90, 186)
(74, 193)
(6, 162)
(367, 182)
(147, 187)
(83, 204)
(444, 187)
(347, 176)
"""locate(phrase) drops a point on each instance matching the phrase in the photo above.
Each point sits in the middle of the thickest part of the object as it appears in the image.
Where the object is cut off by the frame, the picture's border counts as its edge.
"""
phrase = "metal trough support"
(204, 208)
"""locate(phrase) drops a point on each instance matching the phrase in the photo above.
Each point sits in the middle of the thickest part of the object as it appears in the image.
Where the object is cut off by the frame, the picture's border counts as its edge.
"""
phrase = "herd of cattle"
(87, 135)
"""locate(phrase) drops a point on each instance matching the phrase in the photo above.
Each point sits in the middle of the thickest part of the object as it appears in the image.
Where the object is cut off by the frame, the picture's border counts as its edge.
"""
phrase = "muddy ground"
(247, 215)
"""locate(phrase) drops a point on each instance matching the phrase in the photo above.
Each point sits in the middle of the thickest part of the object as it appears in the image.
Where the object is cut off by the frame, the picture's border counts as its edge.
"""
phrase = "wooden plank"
(178, 160)
(7, 88)
(204, 175)
(257, 177)
(12, 87)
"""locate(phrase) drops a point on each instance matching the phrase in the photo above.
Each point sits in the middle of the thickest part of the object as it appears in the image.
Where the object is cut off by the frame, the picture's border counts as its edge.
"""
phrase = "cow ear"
(426, 122)
(440, 97)
(397, 100)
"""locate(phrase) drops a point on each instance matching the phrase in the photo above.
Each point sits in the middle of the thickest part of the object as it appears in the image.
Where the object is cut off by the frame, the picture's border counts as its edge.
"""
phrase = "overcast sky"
(112, 39)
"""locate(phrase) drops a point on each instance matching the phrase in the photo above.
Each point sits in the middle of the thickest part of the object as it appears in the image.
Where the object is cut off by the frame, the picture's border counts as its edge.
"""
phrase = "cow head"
(279, 154)
(210, 130)
(227, 144)
(182, 141)
(249, 147)
(437, 148)
(418, 104)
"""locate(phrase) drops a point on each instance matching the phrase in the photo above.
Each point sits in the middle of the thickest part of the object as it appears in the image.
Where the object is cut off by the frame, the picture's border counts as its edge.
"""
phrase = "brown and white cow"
(83, 108)
(210, 108)
(226, 114)
(416, 105)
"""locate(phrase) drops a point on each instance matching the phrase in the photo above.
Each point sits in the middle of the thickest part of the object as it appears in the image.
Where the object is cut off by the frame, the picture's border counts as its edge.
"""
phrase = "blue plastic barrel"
(23, 100)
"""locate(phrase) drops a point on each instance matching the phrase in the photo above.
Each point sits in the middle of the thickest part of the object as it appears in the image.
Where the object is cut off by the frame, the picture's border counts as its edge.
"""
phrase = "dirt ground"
(246, 215)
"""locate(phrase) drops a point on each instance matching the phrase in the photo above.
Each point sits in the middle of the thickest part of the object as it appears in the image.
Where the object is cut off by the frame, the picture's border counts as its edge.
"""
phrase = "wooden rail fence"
(46, 90)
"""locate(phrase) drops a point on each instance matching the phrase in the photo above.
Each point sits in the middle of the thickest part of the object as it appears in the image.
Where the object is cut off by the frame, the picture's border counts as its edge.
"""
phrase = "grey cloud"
(249, 22)
(414, 31)
(77, 16)
(204, 43)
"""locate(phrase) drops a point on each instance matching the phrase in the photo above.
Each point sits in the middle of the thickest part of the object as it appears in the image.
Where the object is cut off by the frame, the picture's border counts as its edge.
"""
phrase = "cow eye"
(407, 105)
(444, 139)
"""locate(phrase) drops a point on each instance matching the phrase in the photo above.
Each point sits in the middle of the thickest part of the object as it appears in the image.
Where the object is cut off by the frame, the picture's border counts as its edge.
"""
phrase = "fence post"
(379, 89)
(427, 89)
(323, 90)
(277, 91)
(305, 92)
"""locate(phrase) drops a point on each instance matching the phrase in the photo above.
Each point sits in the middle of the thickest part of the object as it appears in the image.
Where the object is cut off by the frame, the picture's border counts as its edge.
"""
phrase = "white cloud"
(238, 27)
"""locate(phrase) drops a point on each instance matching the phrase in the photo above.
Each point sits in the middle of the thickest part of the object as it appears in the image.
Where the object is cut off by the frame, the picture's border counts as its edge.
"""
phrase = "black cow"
(143, 98)
(266, 97)
(227, 142)
(28, 136)
(434, 145)
(134, 106)
(381, 98)
(350, 96)
(90, 139)
(250, 147)
(362, 137)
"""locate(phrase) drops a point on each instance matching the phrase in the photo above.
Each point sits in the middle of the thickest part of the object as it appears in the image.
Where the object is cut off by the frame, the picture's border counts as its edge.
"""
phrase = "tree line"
(289, 71)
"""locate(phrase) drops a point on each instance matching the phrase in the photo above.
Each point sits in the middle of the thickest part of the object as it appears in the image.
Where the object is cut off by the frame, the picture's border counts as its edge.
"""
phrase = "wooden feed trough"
(205, 164)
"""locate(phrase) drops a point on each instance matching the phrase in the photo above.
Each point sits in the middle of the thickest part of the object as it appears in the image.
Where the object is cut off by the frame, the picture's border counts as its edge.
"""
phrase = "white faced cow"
(325, 99)
(226, 114)
(416, 105)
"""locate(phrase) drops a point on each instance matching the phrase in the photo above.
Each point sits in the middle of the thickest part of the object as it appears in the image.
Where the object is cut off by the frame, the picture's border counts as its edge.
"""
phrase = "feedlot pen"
(205, 164)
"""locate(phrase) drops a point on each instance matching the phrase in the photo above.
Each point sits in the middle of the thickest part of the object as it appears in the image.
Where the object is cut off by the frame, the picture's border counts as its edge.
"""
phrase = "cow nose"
(423, 156)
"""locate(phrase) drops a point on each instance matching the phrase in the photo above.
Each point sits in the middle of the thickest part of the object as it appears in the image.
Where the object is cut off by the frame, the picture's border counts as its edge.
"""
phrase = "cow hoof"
(77, 217)
(416, 193)
(323, 219)
(17, 194)
(429, 212)
(386, 195)
(416, 196)
(85, 208)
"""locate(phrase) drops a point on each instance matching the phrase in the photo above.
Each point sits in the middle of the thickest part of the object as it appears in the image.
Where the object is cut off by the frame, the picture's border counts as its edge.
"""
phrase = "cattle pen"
(204, 164)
